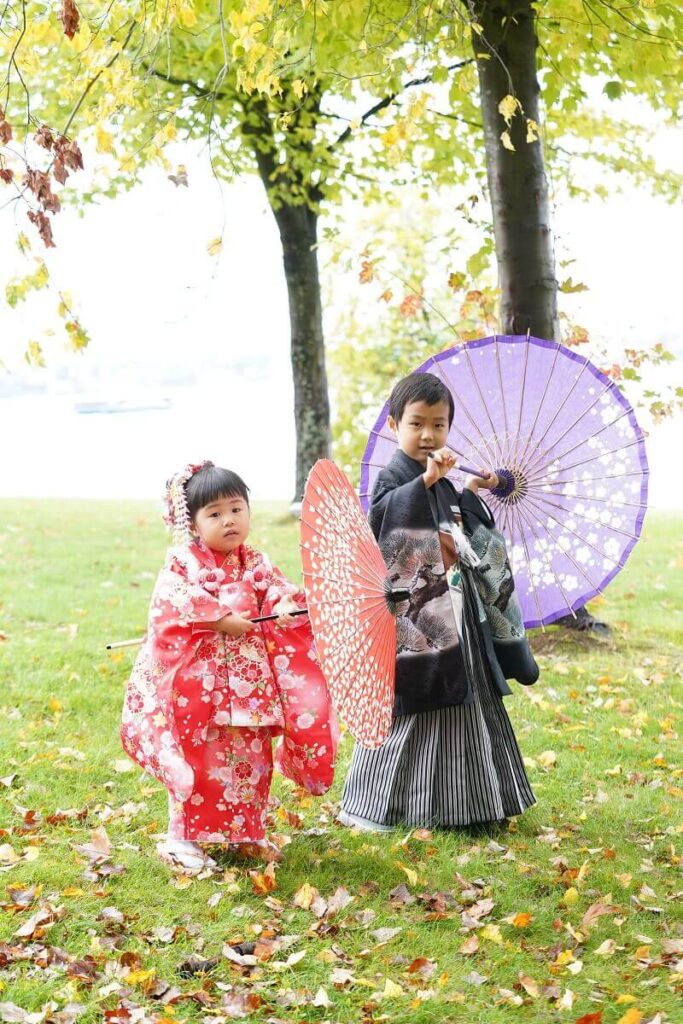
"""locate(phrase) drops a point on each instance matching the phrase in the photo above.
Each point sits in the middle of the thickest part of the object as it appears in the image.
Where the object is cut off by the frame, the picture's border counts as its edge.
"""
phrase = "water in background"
(48, 449)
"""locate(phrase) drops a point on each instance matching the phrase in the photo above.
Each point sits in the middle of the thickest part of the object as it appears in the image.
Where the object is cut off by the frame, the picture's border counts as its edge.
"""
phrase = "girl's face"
(224, 524)
(421, 429)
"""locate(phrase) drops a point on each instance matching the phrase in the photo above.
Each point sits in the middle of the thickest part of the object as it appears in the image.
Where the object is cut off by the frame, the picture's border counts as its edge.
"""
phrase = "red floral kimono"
(201, 707)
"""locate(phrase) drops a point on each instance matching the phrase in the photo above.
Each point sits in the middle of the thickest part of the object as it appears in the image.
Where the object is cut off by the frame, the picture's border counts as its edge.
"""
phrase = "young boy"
(451, 758)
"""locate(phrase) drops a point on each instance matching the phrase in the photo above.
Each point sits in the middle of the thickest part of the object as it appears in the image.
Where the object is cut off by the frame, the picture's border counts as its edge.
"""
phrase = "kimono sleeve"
(405, 504)
(180, 602)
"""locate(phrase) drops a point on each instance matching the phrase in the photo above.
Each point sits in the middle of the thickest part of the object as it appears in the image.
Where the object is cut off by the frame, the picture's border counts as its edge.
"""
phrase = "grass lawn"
(574, 914)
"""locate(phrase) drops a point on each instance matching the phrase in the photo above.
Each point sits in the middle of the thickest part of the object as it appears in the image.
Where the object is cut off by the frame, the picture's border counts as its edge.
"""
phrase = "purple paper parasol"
(568, 450)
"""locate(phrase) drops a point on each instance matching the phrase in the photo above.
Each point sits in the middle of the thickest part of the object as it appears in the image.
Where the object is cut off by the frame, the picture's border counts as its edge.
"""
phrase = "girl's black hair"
(211, 483)
(419, 387)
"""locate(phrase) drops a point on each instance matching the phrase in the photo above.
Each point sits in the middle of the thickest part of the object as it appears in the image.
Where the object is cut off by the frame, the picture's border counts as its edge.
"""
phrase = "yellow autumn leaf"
(508, 107)
(409, 873)
(507, 141)
(139, 977)
(532, 130)
(104, 141)
(391, 990)
(300, 88)
(187, 15)
(169, 132)
(214, 246)
(305, 896)
(547, 759)
(492, 933)
(632, 1016)
(571, 897)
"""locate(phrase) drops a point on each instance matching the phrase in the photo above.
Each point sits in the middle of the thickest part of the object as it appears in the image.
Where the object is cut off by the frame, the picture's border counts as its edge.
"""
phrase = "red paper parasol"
(350, 603)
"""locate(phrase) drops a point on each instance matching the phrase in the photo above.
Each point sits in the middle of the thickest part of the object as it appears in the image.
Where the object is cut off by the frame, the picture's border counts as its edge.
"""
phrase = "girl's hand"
(441, 462)
(283, 611)
(235, 626)
(487, 479)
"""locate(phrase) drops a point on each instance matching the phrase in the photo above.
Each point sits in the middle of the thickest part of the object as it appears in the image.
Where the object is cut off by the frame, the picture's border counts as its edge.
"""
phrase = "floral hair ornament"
(177, 514)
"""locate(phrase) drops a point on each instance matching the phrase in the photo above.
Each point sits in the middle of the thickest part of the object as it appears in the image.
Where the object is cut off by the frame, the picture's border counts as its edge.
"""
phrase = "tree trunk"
(298, 232)
(506, 64)
(298, 226)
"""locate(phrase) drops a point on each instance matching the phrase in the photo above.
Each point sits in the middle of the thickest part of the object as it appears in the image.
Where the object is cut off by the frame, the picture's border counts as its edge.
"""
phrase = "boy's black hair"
(419, 387)
(211, 483)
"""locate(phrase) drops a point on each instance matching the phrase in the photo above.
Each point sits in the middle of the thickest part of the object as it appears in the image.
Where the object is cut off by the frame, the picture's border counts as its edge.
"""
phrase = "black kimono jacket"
(404, 517)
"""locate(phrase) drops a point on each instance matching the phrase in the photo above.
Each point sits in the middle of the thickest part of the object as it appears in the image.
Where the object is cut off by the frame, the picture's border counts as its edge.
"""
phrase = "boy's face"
(421, 429)
(224, 524)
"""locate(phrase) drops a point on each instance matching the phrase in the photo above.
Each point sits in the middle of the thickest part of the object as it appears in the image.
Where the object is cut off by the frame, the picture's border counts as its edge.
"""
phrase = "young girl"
(451, 758)
(210, 689)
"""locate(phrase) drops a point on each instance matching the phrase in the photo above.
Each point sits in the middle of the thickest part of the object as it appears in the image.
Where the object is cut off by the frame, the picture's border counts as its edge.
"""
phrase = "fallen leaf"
(571, 897)
(263, 882)
(305, 896)
(595, 911)
(529, 985)
(340, 899)
(631, 1016)
(400, 896)
(322, 999)
(410, 874)
(423, 966)
(521, 920)
(492, 933)
(567, 1000)
(606, 948)
(391, 990)
(241, 959)
(340, 977)
(385, 934)
(470, 945)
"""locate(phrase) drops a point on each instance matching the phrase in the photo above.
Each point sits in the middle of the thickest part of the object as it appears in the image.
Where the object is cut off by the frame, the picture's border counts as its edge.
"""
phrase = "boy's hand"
(283, 611)
(235, 626)
(441, 462)
(487, 479)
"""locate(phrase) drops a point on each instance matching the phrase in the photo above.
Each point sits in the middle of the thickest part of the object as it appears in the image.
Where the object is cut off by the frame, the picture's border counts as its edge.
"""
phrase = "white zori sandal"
(183, 853)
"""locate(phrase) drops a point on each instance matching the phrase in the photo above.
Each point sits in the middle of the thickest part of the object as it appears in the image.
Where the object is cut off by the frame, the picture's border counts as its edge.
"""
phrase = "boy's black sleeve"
(402, 505)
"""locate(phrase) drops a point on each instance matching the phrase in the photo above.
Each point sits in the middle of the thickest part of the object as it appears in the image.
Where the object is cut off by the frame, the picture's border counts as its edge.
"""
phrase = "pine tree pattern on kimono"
(201, 707)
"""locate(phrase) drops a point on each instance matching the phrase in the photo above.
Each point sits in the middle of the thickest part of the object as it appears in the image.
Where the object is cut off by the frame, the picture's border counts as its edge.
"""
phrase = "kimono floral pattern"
(202, 709)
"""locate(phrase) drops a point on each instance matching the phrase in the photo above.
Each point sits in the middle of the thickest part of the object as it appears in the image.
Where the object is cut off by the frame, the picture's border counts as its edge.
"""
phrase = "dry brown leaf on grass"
(263, 882)
(423, 967)
(595, 911)
(530, 986)
(470, 945)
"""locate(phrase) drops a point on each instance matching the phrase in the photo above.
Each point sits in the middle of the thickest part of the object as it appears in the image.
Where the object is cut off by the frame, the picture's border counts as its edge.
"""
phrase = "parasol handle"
(460, 465)
(125, 643)
(269, 618)
(140, 639)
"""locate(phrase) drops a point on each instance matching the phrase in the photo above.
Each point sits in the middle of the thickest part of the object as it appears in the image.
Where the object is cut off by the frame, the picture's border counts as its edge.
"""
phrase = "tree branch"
(456, 117)
(193, 86)
(388, 100)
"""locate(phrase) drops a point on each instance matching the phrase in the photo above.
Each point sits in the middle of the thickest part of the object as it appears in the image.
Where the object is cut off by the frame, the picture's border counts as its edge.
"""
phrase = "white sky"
(158, 307)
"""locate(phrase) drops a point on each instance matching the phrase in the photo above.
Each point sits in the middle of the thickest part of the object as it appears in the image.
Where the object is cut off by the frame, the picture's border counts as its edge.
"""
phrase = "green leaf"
(613, 90)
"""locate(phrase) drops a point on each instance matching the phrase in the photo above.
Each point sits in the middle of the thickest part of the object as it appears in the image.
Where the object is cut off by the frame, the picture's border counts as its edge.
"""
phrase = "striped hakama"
(449, 767)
